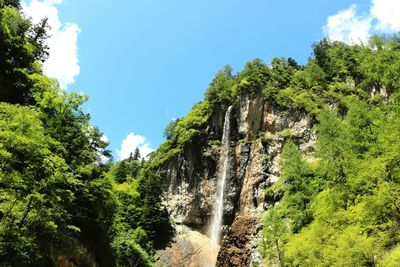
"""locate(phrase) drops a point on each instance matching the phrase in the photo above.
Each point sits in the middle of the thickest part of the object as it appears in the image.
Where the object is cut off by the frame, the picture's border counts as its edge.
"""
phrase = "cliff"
(258, 131)
(290, 199)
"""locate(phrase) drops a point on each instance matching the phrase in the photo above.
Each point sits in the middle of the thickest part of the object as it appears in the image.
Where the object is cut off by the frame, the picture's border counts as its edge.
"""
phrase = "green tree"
(35, 191)
(392, 259)
(274, 234)
(21, 45)
(136, 155)
(220, 90)
(154, 217)
(169, 130)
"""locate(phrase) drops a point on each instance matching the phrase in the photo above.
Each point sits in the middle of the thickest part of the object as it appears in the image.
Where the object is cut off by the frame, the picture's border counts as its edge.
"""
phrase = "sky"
(146, 62)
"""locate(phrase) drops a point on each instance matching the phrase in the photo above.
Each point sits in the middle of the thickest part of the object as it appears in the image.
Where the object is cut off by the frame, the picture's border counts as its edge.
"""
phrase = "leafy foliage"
(21, 46)
(141, 223)
(353, 197)
(341, 210)
(58, 195)
(59, 199)
(34, 189)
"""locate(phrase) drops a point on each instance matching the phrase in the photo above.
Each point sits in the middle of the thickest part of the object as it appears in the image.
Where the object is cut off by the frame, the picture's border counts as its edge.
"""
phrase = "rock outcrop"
(258, 134)
(190, 248)
(236, 249)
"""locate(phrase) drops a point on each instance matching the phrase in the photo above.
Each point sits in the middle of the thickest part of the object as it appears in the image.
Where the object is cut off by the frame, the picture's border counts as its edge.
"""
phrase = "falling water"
(218, 208)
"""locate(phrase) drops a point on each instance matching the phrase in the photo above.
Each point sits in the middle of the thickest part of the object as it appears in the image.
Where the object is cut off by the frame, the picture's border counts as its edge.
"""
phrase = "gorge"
(281, 164)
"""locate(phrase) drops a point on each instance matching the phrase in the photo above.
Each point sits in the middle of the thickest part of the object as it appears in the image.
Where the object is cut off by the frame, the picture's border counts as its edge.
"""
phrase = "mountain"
(309, 162)
(281, 164)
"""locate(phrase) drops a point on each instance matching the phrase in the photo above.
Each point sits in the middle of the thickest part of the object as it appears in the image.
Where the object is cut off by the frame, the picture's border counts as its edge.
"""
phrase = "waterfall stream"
(218, 208)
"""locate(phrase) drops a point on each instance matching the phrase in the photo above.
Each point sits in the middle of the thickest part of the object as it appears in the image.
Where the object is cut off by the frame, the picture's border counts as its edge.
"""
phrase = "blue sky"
(143, 63)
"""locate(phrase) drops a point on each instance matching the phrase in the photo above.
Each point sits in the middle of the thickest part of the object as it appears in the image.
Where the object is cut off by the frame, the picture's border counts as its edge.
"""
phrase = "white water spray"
(218, 209)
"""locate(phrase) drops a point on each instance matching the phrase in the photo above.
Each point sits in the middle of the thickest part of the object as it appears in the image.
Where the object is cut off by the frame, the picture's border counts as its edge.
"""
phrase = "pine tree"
(136, 155)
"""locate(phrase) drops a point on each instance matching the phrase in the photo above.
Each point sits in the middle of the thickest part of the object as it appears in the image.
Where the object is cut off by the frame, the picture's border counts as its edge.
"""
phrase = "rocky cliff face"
(259, 131)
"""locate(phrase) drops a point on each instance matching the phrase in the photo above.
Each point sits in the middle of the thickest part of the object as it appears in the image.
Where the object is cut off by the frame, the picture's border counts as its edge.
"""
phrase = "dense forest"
(62, 198)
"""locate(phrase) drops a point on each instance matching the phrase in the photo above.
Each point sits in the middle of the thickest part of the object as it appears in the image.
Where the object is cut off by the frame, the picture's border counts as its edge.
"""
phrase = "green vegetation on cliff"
(343, 208)
(60, 200)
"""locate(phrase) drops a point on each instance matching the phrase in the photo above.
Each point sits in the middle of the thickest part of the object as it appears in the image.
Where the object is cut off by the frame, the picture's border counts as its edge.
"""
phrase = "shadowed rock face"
(237, 248)
(81, 257)
(258, 133)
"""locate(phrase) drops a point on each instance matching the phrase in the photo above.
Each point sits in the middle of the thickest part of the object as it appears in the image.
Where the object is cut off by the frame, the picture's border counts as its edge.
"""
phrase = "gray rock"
(262, 130)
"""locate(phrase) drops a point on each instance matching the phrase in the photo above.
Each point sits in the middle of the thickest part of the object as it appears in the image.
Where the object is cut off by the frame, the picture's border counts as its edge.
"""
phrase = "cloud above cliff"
(353, 28)
(63, 62)
(130, 143)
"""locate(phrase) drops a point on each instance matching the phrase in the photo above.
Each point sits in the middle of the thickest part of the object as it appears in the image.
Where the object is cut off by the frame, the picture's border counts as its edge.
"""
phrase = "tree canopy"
(61, 198)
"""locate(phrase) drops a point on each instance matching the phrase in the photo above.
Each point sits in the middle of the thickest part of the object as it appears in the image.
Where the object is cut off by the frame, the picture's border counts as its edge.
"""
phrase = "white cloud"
(349, 27)
(103, 158)
(387, 13)
(104, 138)
(346, 26)
(130, 143)
(63, 63)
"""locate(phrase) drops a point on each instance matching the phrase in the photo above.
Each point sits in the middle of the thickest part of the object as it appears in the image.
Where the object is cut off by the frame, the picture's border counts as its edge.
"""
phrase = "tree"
(169, 130)
(273, 237)
(10, 3)
(220, 90)
(136, 155)
(21, 45)
(393, 258)
(332, 147)
(35, 188)
(154, 217)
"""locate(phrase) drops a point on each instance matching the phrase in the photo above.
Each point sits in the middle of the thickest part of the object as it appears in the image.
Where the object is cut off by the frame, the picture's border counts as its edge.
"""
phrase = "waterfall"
(218, 209)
